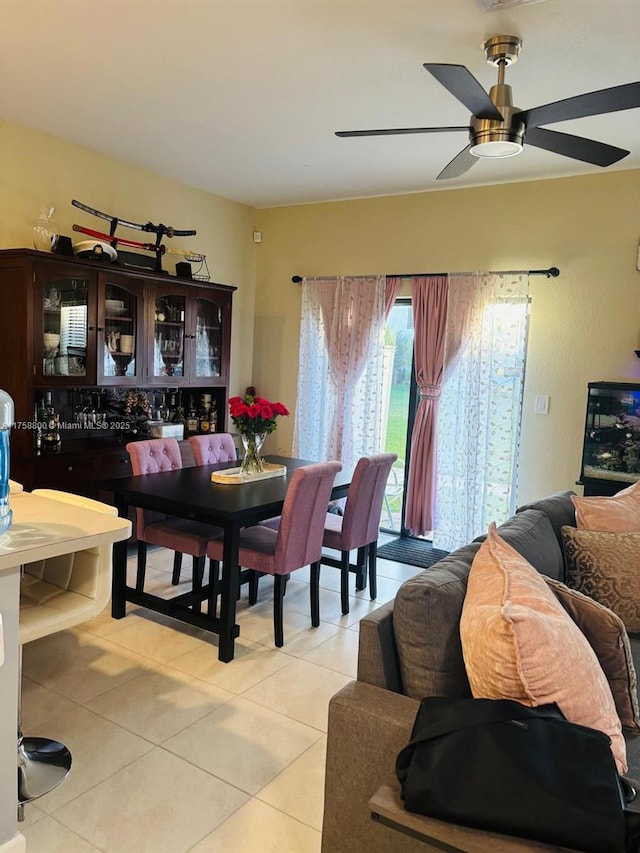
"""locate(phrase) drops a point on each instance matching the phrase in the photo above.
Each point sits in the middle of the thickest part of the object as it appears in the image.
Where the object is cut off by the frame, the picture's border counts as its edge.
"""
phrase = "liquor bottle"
(178, 413)
(37, 432)
(192, 419)
(163, 411)
(51, 432)
(213, 418)
(203, 415)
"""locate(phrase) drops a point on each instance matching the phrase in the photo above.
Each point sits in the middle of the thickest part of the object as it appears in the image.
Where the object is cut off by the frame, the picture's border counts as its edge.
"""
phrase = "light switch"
(542, 404)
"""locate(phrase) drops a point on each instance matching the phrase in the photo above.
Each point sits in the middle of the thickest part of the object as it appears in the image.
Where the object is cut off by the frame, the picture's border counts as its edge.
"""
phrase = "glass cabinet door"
(168, 336)
(64, 305)
(208, 338)
(119, 355)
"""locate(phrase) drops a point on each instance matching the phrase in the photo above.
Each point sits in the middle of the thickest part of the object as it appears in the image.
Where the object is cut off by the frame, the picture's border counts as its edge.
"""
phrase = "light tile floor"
(174, 751)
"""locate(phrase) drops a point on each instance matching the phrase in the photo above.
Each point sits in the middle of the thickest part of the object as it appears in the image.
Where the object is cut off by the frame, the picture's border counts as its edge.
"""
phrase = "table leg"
(119, 578)
(229, 592)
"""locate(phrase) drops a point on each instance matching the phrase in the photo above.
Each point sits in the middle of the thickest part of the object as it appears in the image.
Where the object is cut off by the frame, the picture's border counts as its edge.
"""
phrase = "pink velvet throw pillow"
(518, 642)
(619, 513)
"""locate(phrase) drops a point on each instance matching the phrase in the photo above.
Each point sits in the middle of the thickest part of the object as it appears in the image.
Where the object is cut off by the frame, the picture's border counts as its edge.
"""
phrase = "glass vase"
(45, 231)
(252, 461)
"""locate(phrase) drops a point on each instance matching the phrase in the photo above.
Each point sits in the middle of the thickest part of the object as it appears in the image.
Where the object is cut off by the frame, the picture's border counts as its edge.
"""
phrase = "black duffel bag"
(498, 765)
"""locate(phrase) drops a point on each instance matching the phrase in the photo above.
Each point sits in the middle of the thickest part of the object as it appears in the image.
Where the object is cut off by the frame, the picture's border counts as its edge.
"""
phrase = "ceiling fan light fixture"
(495, 140)
(496, 148)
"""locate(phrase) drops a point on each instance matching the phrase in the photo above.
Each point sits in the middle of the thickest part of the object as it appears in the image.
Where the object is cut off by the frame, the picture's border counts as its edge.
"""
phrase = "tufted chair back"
(214, 448)
(363, 508)
(296, 542)
(149, 457)
(301, 528)
(358, 527)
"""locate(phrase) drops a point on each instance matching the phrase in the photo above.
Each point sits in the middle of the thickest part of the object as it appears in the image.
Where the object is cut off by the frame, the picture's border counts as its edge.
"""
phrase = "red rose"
(279, 409)
(234, 400)
(266, 411)
(253, 411)
(238, 409)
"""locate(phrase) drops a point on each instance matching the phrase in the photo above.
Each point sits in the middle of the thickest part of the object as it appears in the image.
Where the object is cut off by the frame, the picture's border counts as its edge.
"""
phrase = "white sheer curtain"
(480, 405)
(339, 399)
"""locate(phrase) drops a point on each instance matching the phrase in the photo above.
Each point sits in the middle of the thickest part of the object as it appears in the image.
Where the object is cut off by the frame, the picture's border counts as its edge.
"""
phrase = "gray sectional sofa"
(410, 648)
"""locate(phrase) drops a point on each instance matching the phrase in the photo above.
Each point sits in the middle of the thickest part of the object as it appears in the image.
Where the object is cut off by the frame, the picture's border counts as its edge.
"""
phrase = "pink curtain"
(429, 296)
(392, 287)
(353, 316)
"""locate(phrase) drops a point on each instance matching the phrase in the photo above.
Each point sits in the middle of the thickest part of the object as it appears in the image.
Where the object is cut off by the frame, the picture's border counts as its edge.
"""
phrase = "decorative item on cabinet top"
(107, 243)
(45, 230)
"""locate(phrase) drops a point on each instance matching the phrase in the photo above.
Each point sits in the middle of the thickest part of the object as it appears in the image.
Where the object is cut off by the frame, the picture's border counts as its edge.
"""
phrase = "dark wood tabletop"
(189, 492)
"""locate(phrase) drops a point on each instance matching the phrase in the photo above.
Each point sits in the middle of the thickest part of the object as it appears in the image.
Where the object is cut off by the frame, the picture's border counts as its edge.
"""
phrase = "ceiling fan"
(498, 129)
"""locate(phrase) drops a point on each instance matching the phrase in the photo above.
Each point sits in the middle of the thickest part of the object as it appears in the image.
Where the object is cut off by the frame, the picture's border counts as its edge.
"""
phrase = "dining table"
(190, 493)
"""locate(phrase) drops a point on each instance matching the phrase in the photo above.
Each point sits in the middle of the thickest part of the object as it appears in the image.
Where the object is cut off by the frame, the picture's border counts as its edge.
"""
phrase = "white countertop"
(44, 528)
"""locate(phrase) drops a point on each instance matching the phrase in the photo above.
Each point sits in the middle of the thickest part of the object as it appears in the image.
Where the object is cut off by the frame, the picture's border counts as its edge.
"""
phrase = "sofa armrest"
(378, 662)
(387, 807)
(367, 728)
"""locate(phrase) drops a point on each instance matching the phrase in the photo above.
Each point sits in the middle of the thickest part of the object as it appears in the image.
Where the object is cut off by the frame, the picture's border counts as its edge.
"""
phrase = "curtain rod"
(552, 272)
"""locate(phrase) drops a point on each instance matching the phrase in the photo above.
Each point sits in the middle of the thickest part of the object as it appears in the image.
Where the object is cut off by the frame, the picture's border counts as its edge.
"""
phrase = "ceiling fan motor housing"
(493, 138)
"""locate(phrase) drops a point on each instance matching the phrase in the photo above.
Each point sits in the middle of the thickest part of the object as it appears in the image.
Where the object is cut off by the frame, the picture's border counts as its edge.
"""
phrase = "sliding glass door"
(400, 397)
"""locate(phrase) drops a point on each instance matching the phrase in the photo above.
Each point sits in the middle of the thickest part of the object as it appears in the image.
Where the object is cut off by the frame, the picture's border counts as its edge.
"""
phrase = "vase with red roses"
(254, 417)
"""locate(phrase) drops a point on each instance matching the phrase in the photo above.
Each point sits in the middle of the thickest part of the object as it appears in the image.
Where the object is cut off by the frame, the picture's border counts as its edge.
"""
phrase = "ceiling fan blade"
(590, 104)
(464, 86)
(395, 131)
(577, 147)
(460, 164)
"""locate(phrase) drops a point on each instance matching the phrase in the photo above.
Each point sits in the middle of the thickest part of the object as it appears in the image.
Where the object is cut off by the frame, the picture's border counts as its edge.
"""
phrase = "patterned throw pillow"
(620, 512)
(606, 566)
(519, 643)
(608, 638)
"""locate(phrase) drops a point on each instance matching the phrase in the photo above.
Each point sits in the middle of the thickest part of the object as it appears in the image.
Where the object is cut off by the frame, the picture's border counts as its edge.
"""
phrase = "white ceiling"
(242, 97)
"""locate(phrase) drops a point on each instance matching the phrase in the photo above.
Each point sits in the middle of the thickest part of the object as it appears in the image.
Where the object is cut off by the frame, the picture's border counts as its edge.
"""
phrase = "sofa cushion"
(606, 566)
(519, 643)
(608, 638)
(426, 615)
(558, 508)
(427, 608)
(531, 533)
(619, 512)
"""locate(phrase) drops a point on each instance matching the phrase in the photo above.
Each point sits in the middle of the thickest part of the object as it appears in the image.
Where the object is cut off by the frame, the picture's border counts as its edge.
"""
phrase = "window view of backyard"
(398, 365)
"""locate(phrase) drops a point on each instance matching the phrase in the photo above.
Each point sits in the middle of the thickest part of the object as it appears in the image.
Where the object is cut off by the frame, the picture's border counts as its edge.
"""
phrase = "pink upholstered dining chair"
(180, 535)
(358, 528)
(298, 540)
(213, 448)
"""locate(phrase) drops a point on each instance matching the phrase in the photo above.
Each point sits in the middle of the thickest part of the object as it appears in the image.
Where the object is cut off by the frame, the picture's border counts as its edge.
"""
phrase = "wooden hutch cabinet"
(80, 334)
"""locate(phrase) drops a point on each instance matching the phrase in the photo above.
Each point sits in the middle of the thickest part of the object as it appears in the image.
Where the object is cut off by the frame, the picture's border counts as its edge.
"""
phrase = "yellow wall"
(585, 325)
(37, 169)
